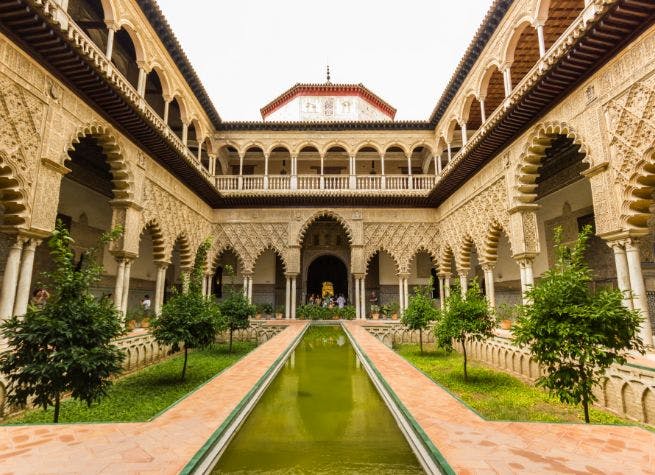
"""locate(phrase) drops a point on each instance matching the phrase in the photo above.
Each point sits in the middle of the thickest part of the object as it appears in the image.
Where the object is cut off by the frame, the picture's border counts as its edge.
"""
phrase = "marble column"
(250, 279)
(363, 296)
(639, 298)
(463, 281)
(126, 286)
(442, 292)
(294, 296)
(287, 306)
(406, 291)
(25, 279)
(541, 41)
(622, 271)
(118, 288)
(160, 287)
(483, 113)
(358, 299)
(527, 276)
(10, 279)
(489, 286)
(110, 43)
(401, 294)
(447, 286)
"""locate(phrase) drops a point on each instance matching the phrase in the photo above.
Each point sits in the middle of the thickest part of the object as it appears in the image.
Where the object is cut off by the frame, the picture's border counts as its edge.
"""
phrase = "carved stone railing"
(317, 183)
(141, 350)
(628, 390)
(104, 66)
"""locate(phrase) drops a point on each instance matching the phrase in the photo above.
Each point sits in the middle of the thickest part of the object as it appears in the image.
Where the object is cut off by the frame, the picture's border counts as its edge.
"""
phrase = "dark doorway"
(327, 269)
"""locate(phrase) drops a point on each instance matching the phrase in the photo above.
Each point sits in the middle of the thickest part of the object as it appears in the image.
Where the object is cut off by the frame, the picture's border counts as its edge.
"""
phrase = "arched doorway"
(327, 268)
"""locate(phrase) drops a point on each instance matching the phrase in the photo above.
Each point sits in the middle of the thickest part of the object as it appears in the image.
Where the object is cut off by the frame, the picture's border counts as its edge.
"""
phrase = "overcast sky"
(247, 52)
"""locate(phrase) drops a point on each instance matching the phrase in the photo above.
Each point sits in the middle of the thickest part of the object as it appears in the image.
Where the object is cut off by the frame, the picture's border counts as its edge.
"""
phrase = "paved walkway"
(162, 446)
(472, 445)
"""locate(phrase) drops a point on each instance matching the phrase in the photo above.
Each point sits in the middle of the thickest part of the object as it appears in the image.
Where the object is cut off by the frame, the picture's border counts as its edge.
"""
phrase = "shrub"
(67, 345)
(574, 333)
(464, 319)
(420, 311)
(189, 319)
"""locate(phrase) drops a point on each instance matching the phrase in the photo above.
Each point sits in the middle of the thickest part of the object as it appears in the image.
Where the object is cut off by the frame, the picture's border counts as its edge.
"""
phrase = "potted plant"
(267, 310)
(259, 310)
(506, 315)
(375, 312)
(279, 312)
(394, 308)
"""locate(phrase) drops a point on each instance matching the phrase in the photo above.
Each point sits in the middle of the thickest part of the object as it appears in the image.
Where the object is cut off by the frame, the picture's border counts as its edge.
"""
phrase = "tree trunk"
(420, 338)
(585, 396)
(186, 356)
(57, 405)
(464, 351)
(230, 348)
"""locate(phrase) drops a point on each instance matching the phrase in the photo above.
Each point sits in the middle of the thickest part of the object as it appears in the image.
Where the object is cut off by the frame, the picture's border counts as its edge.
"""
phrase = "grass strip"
(142, 395)
(496, 395)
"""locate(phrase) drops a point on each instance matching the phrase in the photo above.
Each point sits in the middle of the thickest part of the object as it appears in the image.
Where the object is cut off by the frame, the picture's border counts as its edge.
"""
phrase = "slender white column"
(463, 282)
(245, 285)
(204, 286)
(464, 135)
(401, 294)
(185, 134)
(118, 288)
(362, 294)
(159, 288)
(450, 153)
(489, 284)
(110, 42)
(639, 298)
(358, 300)
(167, 105)
(622, 271)
(141, 84)
(25, 279)
(442, 292)
(266, 171)
(527, 277)
(10, 279)
(287, 306)
(294, 297)
(250, 279)
(353, 172)
(483, 113)
(507, 75)
(126, 286)
(406, 291)
(447, 286)
(542, 42)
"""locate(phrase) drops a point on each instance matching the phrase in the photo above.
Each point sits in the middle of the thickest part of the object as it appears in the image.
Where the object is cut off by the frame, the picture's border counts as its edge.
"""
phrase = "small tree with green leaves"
(420, 311)
(235, 308)
(65, 346)
(189, 319)
(574, 333)
(464, 319)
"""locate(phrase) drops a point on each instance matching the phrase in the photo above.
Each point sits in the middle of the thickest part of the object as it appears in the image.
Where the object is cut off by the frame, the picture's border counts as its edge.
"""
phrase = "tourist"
(145, 304)
(341, 301)
(40, 297)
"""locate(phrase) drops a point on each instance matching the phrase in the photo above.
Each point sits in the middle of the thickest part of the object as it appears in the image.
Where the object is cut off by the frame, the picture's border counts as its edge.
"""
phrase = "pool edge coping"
(195, 463)
(436, 456)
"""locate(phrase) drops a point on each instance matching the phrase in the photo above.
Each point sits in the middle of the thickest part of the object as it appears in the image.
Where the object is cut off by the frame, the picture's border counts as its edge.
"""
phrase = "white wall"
(308, 108)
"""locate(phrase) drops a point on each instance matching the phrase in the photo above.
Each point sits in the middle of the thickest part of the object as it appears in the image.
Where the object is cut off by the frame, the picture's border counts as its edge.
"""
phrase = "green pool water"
(321, 414)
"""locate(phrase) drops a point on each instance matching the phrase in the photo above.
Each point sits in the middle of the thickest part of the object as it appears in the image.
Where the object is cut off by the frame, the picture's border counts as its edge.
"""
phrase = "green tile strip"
(436, 455)
(199, 457)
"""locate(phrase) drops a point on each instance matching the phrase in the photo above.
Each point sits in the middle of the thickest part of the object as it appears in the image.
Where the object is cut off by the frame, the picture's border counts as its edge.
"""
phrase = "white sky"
(247, 52)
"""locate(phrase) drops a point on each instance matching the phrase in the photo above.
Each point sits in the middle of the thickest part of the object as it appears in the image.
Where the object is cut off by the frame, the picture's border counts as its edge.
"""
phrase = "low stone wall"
(628, 390)
(141, 350)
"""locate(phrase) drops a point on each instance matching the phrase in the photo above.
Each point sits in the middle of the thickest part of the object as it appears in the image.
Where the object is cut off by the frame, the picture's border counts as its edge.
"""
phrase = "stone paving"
(161, 446)
(473, 445)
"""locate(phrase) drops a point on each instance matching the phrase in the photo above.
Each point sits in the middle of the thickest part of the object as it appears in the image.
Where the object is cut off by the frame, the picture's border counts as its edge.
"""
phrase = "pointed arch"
(326, 213)
(13, 194)
(434, 257)
(638, 195)
(466, 248)
(224, 248)
(535, 150)
(489, 252)
(122, 181)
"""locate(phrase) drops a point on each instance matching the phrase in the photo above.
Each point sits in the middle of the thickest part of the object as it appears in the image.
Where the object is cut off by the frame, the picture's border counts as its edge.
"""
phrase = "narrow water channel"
(321, 414)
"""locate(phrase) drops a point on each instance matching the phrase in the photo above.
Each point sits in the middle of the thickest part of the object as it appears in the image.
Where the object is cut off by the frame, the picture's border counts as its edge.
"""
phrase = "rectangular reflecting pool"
(321, 414)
